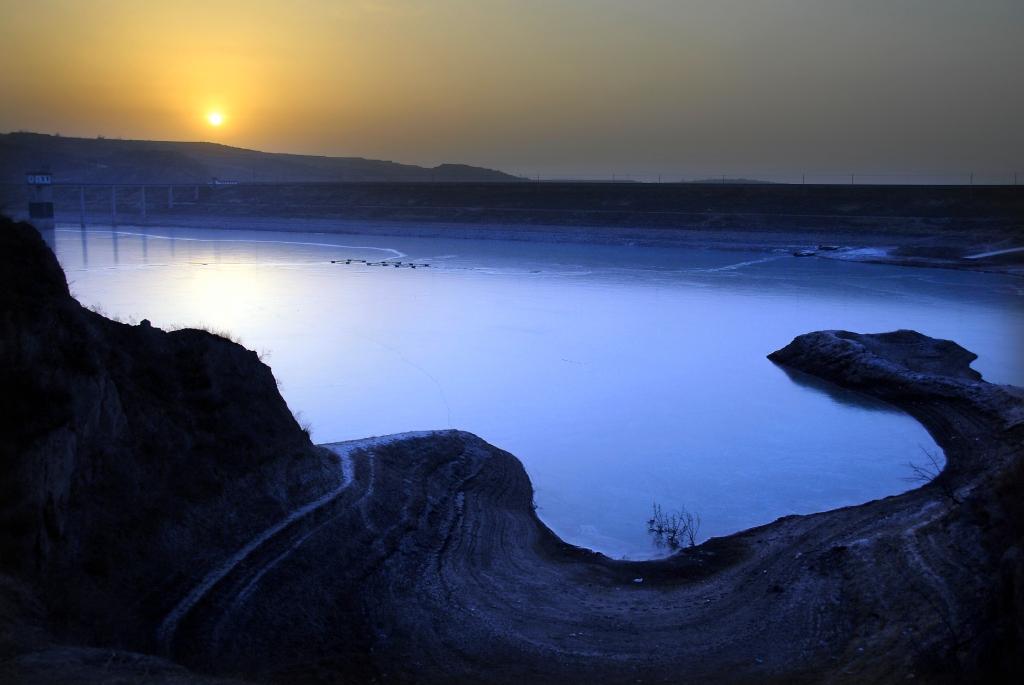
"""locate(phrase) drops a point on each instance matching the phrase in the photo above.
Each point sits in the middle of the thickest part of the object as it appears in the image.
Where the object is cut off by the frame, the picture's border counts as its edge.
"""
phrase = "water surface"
(618, 375)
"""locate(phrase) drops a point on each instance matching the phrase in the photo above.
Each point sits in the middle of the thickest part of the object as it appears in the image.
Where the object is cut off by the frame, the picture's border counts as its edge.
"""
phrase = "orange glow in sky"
(559, 86)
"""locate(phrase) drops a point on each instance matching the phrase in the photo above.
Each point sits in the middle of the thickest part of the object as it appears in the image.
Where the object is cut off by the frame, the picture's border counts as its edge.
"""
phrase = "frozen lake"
(619, 376)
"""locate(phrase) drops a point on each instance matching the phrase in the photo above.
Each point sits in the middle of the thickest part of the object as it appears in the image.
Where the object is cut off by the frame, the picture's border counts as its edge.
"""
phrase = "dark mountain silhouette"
(104, 160)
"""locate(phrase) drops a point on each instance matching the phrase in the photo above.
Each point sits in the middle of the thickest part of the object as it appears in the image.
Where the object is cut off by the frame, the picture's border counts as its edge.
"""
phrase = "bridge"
(104, 203)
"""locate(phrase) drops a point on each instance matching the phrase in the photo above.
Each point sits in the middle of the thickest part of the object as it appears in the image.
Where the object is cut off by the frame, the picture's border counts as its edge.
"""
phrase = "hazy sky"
(537, 86)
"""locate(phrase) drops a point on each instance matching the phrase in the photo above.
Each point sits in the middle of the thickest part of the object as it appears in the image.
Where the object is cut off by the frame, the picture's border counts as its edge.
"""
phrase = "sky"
(585, 88)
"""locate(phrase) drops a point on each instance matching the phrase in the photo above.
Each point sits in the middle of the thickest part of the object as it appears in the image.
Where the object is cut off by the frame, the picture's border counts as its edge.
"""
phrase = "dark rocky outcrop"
(155, 486)
(131, 457)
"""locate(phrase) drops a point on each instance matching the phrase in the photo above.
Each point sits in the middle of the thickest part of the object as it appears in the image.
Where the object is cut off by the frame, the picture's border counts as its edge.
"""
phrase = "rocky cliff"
(159, 497)
(131, 457)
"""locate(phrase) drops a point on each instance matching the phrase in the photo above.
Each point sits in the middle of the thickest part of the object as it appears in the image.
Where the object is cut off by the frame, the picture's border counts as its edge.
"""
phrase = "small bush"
(306, 426)
(675, 529)
(932, 472)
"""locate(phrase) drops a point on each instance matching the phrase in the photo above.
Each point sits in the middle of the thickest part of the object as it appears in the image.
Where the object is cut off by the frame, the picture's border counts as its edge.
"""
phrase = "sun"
(215, 118)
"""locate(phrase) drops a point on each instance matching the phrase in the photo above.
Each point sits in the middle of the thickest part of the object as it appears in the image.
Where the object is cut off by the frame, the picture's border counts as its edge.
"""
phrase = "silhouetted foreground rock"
(158, 497)
(130, 458)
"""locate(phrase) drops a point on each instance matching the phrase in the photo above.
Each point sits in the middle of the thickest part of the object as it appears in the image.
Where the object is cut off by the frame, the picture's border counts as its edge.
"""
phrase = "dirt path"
(346, 467)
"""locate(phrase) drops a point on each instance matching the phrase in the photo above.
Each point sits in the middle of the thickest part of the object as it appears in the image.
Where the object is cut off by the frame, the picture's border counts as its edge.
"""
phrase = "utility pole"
(81, 206)
(170, 197)
(113, 205)
(142, 201)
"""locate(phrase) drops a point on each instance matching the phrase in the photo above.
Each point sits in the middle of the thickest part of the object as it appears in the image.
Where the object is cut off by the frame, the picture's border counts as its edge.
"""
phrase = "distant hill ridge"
(106, 160)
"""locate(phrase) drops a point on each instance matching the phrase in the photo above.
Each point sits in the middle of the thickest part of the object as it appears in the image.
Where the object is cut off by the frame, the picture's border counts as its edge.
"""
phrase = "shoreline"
(871, 248)
(422, 558)
(495, 596)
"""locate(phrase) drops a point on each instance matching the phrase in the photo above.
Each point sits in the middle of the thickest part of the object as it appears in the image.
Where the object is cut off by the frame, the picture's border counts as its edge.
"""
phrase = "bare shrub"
(304, 425)
(931, 472)
(674, 529)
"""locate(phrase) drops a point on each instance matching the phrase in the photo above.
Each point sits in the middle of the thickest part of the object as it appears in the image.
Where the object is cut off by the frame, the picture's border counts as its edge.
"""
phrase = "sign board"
(39, 178)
